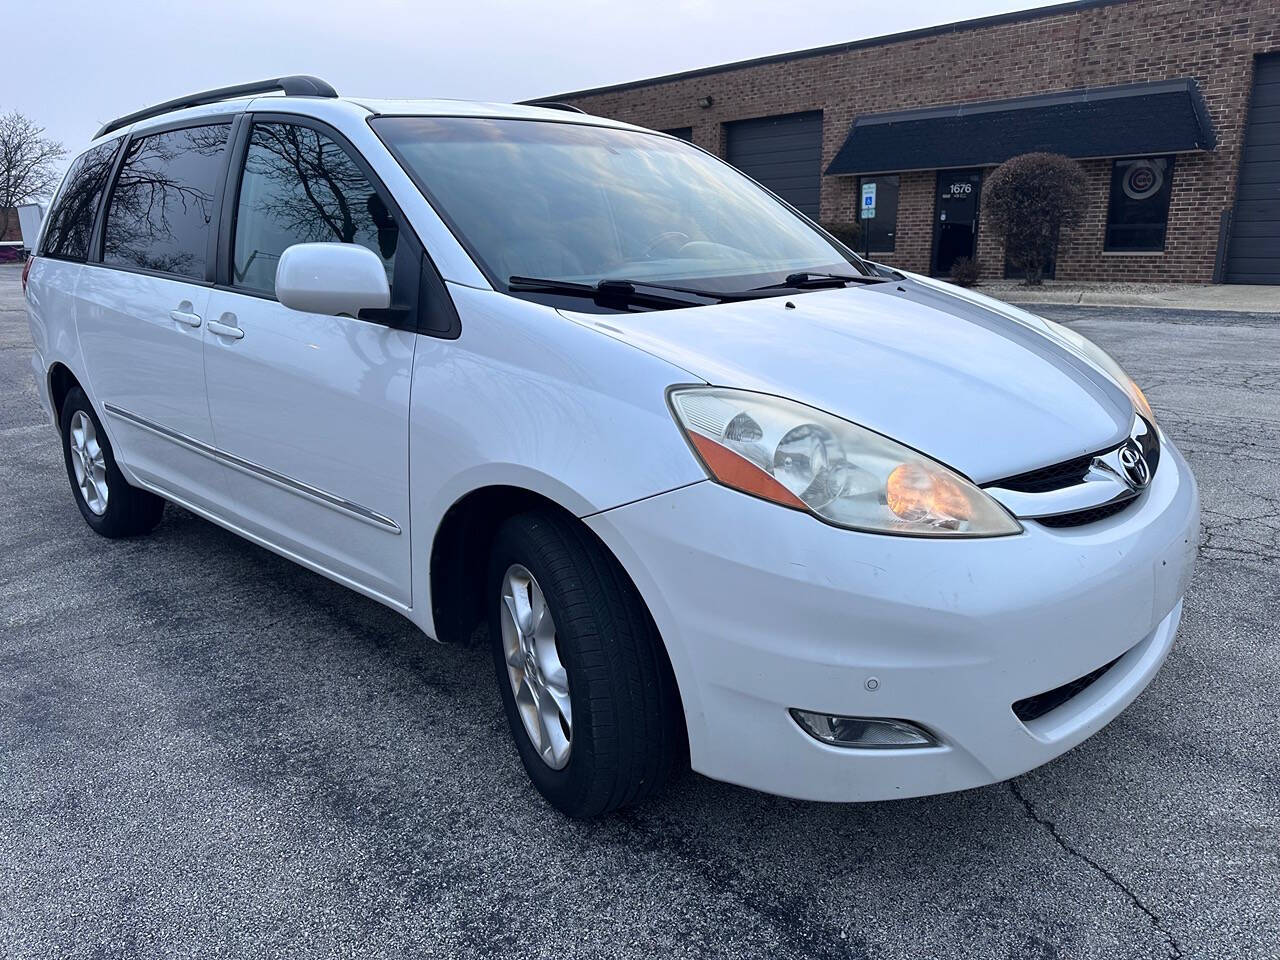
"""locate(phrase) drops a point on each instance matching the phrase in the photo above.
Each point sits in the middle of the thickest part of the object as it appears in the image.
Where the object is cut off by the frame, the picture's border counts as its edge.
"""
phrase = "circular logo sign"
(1143, 179)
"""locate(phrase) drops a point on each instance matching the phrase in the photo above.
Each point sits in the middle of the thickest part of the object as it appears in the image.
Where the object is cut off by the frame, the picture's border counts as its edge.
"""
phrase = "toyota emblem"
(1136, 470)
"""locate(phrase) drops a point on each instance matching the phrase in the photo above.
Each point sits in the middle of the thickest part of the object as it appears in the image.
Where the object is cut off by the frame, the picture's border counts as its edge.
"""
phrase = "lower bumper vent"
(1033, 708)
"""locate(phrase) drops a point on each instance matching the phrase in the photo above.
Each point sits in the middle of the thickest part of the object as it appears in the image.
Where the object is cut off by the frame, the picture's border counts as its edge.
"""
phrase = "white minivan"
(724, 493)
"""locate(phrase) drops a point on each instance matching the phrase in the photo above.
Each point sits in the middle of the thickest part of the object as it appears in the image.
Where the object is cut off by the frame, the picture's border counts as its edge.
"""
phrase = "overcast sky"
(71, 65)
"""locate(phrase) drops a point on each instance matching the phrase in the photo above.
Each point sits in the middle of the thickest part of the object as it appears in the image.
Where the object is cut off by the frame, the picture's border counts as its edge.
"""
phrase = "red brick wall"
(913, 239)
(1213, 41)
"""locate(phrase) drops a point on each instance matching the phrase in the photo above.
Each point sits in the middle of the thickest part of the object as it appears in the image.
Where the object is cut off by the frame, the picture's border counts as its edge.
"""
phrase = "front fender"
(529, 399)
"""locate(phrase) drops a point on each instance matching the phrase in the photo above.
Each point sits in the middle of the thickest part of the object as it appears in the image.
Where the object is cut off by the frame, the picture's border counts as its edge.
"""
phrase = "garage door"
(1254, 253)
(784, 153)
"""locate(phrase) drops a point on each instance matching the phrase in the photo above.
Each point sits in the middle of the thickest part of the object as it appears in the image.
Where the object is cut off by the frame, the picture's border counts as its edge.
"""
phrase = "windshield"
(566, 201)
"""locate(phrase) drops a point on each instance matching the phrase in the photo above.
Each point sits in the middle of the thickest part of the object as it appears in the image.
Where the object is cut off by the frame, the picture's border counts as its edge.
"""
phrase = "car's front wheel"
(588, 691)
(107, 502)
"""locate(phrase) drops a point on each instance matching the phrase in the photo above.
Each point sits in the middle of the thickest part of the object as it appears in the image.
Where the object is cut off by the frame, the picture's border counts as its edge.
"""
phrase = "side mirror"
(336, 279)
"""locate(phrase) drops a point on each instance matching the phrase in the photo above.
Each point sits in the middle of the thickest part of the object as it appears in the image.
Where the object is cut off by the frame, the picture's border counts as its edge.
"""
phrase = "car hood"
(982, 386)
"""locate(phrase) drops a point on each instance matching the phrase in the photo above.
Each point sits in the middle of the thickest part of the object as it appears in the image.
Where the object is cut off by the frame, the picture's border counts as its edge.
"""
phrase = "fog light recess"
(865, 733)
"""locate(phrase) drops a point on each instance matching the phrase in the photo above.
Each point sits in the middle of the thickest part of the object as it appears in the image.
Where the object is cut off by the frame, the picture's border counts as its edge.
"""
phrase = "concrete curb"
(1234, 298)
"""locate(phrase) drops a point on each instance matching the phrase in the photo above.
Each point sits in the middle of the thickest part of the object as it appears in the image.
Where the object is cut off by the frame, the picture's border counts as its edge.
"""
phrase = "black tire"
(129, 511)
(628, 734)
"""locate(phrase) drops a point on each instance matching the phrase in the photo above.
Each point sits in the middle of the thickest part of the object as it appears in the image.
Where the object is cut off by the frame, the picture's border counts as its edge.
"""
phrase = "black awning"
(1145, 118)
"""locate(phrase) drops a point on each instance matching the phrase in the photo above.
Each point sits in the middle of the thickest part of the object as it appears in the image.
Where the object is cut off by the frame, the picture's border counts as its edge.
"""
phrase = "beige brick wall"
(1213, 41)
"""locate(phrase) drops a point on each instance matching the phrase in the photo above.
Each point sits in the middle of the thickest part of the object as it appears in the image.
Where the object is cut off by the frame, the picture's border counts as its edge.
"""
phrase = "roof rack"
(554, 105)
(297, 86)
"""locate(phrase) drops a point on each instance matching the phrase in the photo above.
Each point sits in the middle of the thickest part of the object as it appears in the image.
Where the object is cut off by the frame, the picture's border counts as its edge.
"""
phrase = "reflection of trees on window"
(71, 220)
(162, 205)
(299, 186)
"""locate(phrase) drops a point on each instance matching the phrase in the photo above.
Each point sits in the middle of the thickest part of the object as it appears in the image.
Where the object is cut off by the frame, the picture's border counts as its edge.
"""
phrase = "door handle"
(226, 329)
(183, 316)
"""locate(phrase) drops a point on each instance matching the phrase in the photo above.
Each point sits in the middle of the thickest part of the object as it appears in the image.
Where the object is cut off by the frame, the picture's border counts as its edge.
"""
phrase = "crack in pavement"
(800, 929)
(1175, 951)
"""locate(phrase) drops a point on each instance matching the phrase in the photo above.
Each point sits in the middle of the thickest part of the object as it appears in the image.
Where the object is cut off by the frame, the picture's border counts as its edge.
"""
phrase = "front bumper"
(764, 608)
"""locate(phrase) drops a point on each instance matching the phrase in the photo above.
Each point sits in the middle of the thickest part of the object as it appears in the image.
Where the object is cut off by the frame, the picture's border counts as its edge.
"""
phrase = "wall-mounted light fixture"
(705, 103)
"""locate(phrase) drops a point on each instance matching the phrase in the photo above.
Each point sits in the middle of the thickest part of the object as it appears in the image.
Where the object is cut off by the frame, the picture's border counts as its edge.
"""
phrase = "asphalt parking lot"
(207, 751)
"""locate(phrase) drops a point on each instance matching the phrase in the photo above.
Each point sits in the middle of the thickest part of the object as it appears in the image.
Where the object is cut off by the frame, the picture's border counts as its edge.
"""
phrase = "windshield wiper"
(808, 279)
(625, 292)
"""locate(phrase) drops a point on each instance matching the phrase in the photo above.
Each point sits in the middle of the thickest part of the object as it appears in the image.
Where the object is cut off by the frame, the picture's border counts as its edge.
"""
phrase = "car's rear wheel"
(107, 502)
(588, 691)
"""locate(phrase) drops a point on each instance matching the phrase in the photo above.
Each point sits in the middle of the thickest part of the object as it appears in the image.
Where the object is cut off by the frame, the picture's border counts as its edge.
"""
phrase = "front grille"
(1073, 472)
(1081, 517)
(1033, 708)
(1054, 477)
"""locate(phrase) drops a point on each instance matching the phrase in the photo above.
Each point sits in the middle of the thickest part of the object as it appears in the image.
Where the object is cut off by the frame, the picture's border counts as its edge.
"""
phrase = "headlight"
(802, 458)
(1090, 351)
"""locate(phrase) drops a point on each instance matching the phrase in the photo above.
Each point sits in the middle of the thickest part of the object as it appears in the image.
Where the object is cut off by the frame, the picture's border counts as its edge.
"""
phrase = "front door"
(955, 218)
(311, 412)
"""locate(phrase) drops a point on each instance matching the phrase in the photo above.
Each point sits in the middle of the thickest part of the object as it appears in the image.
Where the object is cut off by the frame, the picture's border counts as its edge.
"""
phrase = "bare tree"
(28, 163)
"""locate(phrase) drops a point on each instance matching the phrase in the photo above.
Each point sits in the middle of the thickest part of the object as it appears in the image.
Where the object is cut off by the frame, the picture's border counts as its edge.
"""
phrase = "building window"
(684, 133)
(1139, 210)
(884, 224)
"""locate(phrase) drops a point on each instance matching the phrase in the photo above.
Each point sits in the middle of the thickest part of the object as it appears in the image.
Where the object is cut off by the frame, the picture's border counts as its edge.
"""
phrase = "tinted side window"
(71, 219)
(299, 186)
(162, 206)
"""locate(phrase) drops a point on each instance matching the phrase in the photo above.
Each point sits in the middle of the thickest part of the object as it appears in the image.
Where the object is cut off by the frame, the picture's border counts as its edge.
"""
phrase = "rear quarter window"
(76, 207)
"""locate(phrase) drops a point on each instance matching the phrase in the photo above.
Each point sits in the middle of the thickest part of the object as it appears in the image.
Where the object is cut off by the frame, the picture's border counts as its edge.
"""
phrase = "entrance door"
(955, 219)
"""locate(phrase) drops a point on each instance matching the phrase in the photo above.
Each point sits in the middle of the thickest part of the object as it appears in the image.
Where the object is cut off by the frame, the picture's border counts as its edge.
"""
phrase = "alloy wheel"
(89, 463)
(538, 678)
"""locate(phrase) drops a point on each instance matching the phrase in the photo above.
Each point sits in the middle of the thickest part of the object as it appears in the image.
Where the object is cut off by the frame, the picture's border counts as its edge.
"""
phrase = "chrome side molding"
(323, 497)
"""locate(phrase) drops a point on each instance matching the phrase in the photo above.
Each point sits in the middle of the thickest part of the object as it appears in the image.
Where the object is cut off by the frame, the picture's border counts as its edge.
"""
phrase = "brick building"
(1171, 106)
